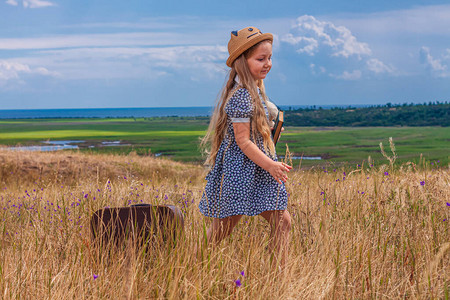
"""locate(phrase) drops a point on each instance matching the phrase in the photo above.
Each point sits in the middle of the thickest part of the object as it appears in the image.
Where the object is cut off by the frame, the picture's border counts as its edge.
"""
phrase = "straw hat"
(244, 39)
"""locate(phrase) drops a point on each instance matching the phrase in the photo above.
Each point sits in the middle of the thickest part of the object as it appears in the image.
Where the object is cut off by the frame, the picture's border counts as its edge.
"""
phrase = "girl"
(245, 177)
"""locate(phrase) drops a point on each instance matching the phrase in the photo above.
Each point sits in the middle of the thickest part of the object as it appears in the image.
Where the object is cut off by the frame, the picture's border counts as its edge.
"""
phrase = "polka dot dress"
(236, 185)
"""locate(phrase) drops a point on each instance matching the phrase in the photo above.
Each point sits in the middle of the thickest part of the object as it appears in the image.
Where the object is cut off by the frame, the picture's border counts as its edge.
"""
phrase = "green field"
(178, 139)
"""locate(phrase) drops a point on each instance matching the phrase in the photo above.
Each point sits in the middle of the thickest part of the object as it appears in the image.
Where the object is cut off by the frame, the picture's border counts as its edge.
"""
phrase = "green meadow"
(178, 138)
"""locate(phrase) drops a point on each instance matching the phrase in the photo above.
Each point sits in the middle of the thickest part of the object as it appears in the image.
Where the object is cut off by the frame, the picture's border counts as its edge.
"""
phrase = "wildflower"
(422, 183)
(386, 173)
(448, 204)
(95, 276)
(242, 274)
(238, 282)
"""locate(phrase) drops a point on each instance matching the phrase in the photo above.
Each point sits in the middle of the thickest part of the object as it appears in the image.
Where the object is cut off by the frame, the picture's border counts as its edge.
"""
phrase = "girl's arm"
(276, 169)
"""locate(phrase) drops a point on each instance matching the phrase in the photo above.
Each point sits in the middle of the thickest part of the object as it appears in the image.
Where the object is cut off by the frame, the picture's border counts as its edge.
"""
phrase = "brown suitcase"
(143, 223)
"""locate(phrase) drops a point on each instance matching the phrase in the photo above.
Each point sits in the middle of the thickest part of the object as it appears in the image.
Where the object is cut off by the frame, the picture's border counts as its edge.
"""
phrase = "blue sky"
(136, 53)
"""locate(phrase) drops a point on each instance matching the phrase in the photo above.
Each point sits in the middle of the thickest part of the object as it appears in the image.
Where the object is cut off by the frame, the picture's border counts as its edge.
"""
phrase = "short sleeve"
(240, 108)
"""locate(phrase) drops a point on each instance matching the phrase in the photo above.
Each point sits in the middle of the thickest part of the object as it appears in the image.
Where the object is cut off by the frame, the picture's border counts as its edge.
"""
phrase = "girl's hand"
(279, 171)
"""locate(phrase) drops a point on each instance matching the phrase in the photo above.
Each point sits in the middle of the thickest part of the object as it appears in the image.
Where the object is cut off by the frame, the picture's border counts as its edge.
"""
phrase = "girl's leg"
(221, 228)
(280, 222)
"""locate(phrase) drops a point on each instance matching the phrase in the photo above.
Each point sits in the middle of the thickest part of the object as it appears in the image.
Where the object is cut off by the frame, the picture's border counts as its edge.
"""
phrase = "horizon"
(59, 54)
(294, 106)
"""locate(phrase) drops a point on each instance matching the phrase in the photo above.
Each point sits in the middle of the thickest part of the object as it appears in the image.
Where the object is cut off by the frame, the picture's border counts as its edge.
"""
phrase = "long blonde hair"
(218, 124)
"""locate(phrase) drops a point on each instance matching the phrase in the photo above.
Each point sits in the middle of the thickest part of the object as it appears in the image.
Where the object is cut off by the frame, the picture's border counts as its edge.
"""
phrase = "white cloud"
(114, 63)
(12, 2)
(310, 35)
(395, 36)
(378, 66)
(31, 3)
(104, 40)
(316, 70)
(354, 75)
(436, 66)
(14, 71)
(335, 49)
(418, 20)
(36, 3)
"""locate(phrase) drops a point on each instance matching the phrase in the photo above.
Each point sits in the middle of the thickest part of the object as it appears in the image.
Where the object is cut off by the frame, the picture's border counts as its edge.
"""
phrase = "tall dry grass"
(362, 232)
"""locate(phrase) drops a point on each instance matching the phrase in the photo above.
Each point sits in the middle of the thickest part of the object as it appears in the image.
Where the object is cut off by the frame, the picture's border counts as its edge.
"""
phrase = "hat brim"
(247, 45)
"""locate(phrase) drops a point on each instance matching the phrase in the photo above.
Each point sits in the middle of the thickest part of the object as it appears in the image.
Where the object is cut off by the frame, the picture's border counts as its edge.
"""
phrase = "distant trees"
(426, 114)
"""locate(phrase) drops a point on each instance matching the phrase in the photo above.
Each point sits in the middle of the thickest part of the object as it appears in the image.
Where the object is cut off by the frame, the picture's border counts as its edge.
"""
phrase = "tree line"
(426, 114)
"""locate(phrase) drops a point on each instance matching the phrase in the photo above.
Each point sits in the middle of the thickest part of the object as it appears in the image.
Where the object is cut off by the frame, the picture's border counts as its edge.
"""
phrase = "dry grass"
(360, 234)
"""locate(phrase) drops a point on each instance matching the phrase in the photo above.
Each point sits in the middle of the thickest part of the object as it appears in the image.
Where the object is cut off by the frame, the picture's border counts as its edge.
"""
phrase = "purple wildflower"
(422, 183)
(386, 173)
(243, 274)
(448, 204)
(95, 276)
(238, 282)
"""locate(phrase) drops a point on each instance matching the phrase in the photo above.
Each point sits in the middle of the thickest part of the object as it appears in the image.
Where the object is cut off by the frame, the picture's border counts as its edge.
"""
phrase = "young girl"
(245, 177)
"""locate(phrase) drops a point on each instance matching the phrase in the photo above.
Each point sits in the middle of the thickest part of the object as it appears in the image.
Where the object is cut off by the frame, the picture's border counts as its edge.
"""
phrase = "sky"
(144, 53)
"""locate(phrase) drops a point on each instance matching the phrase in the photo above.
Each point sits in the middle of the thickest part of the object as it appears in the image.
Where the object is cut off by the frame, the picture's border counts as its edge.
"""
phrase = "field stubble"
(357, 233)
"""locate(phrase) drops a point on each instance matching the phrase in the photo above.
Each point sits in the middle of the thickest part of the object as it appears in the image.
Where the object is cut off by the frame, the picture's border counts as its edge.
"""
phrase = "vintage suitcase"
(141, 223)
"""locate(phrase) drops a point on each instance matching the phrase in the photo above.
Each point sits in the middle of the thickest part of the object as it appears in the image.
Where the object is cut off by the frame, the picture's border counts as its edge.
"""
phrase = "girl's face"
(260, 60)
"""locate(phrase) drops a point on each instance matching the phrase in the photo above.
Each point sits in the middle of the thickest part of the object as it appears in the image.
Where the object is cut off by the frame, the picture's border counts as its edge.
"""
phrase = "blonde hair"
(218, 124)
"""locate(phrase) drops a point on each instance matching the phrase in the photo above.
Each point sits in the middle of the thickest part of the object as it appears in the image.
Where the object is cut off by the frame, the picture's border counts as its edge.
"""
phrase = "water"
(51, 146)
(62, 145)
(106, 112)
(144, 112)
(302, 157)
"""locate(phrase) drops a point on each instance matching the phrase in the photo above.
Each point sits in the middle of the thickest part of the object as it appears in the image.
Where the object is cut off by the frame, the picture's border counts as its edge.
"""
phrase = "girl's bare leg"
(280, 222)
(221, 228)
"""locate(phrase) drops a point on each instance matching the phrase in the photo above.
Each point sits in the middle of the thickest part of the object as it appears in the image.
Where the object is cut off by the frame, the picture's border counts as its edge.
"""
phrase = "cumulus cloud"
(434, 65)
(310, 34)
(334, 47)
(31, 3)
(10, 70)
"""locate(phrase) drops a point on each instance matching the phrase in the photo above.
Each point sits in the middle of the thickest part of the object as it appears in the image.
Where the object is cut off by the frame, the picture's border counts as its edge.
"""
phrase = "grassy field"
(178, 138)
(357, 233)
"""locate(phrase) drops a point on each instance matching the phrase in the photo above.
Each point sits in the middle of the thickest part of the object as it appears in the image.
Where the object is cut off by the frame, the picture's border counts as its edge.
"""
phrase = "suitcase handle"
(141, 205)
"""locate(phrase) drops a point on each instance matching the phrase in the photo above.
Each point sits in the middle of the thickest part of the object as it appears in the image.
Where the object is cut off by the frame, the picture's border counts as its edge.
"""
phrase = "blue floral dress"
(236, 185)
